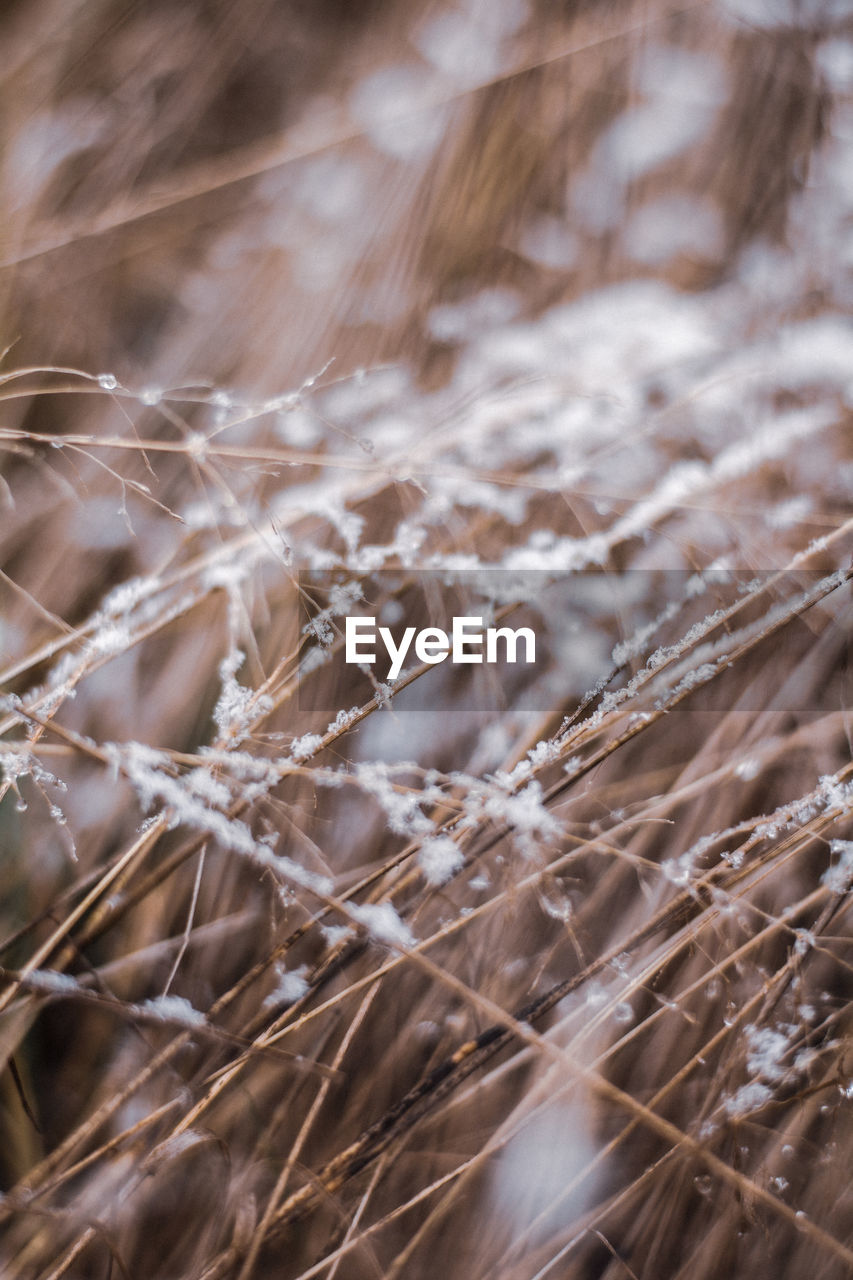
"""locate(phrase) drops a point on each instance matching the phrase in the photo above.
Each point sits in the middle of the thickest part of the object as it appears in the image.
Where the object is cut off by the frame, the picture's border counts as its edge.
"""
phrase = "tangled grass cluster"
(538, 308)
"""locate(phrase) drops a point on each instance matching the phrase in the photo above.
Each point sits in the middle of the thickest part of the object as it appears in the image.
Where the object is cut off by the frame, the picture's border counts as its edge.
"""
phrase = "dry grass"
(308, 975)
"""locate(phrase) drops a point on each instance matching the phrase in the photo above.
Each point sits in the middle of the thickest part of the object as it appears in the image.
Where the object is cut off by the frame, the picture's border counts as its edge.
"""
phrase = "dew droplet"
(108, 381)
(704, 1184)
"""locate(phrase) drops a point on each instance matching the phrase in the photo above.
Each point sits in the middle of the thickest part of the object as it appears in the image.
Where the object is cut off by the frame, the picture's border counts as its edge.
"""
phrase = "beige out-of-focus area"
(222, 192)
(534, 311)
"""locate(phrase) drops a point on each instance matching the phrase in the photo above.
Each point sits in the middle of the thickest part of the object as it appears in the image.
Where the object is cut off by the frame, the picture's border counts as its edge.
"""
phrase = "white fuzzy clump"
(306, 746)
(402, 807)
(525, 813)
(767, 1048)
(238, 707)
(839, 877)
(53, 982)
(383, 923)
(292, 985)
(173, 1009)
(439, 859)
(749, 1097)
